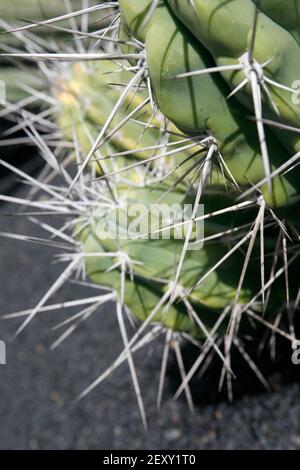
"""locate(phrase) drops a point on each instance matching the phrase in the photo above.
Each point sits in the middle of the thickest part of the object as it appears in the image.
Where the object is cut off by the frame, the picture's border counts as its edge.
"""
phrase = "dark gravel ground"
(37, 386)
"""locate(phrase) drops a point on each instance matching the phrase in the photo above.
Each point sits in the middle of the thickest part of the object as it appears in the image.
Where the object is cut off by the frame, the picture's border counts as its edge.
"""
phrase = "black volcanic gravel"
(38, 386)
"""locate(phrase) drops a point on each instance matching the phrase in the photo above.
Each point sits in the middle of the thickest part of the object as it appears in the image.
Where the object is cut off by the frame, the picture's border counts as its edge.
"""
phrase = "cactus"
(54, 37)
(185, 110)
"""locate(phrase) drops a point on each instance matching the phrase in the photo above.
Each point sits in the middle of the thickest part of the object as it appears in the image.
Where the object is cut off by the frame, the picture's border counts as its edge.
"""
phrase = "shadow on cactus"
(171, 152)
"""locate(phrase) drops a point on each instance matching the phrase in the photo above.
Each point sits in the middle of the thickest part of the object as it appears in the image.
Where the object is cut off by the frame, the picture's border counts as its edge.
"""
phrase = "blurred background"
(38, 385)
